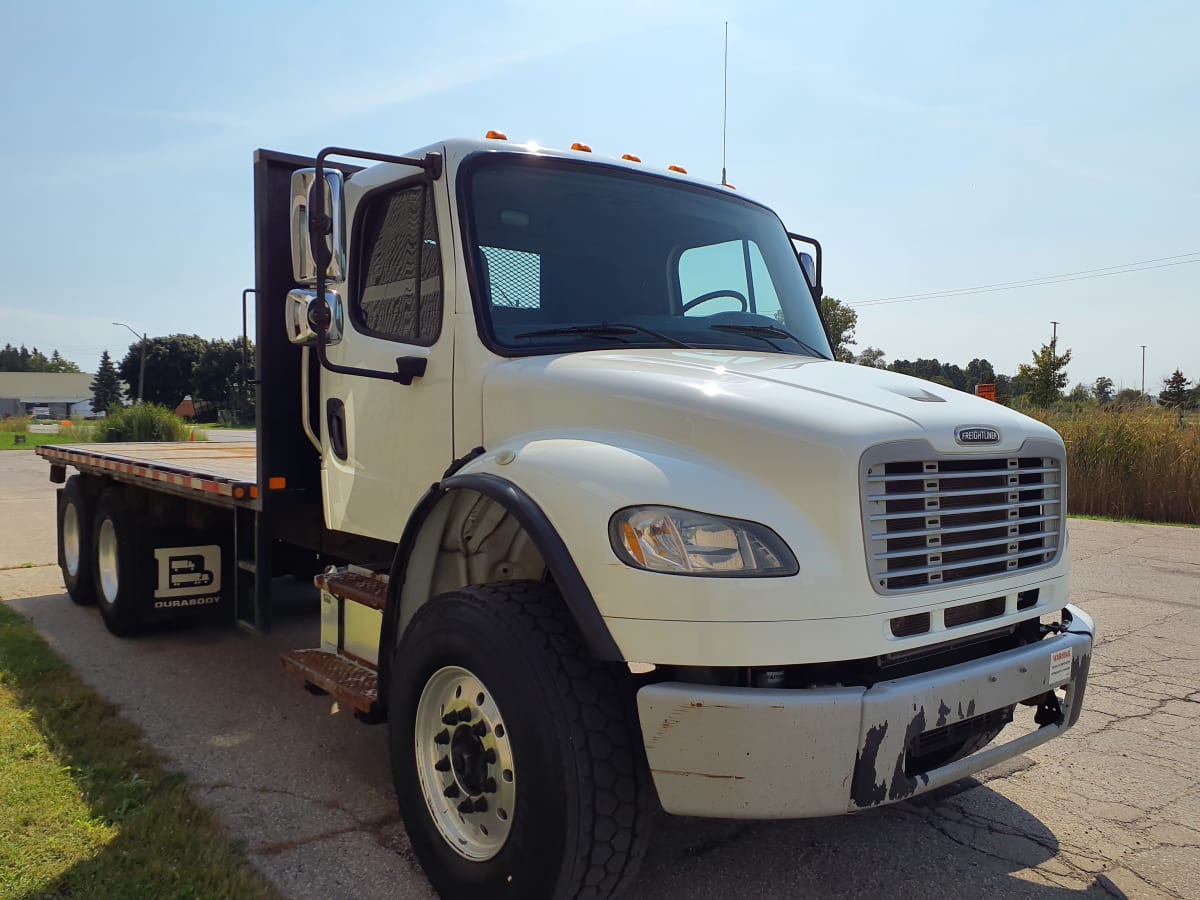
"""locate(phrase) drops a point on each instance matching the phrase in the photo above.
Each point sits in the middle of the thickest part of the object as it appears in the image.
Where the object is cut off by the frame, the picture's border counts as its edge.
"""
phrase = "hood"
(674, 395)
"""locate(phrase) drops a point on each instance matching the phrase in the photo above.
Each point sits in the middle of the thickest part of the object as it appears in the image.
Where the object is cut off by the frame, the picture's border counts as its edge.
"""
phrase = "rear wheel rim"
(70, 537)
(106, 561)
(465, 763)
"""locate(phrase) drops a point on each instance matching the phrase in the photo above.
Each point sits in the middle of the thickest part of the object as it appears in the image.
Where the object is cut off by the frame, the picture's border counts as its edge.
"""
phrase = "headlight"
(682, 542)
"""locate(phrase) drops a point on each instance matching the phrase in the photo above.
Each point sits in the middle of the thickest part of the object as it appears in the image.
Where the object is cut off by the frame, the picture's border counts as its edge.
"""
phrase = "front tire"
(75, 542)
(517, 758)
(116, 576)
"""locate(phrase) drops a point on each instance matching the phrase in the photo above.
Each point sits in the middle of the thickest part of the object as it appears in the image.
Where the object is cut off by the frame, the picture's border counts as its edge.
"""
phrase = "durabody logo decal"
(187, 572)
(976, 434)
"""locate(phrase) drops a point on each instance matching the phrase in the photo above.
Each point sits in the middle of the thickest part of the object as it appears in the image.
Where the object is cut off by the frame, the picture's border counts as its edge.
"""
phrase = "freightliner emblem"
(976, 434)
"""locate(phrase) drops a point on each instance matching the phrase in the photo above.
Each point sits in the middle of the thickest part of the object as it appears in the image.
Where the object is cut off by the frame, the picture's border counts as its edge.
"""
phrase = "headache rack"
(931, 519)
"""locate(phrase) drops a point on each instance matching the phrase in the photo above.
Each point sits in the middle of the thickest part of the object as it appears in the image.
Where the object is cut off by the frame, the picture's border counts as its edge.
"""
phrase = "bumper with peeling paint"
(749, 753)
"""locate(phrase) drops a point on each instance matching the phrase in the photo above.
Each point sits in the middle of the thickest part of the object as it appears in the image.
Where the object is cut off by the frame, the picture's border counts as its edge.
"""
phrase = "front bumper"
(752, 753)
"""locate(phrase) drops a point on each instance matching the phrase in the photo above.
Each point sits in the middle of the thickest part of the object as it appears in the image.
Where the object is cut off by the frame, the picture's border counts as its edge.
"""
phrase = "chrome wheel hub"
(106, 561)
(70, 539)
(465, 763)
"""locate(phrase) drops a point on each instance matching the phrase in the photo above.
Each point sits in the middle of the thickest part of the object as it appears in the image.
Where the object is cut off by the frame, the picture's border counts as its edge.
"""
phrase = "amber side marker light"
(496, 136)
(680, 169)
(278, 483)
(582, 148)
(631, 543)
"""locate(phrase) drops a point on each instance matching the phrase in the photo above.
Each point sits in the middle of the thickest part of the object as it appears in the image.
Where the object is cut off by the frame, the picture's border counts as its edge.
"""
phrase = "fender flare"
(574, 590)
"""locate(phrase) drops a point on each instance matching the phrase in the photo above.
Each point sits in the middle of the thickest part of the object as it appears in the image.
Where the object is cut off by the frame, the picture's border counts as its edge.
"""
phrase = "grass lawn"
(86, 809)
(8, 440)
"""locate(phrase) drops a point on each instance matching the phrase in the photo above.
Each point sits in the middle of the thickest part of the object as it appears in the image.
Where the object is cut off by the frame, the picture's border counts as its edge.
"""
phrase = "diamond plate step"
(345, 680)
(368, 590)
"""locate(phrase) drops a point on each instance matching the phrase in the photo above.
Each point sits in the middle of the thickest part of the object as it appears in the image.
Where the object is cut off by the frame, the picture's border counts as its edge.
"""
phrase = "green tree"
(59, 364)
(873, 357)
(106, 386)
(218, 375)
(1047, 375)
(36, 361)
(1004, 388)
(841, 321)
(1175, 391)
(1081, 393)
(1102, 389)
(1129, 397)
(10, 359)
(170, 362)
(979, 371)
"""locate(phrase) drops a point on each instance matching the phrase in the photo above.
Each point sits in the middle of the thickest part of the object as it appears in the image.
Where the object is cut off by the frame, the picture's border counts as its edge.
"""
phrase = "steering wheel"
(713, 295)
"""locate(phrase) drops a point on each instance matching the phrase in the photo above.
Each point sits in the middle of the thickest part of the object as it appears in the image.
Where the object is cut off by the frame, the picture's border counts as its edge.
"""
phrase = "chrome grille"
(957, 518)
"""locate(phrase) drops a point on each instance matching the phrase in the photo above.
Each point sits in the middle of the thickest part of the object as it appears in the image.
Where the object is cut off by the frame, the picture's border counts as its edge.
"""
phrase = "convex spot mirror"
(304, 197)
(306, 316)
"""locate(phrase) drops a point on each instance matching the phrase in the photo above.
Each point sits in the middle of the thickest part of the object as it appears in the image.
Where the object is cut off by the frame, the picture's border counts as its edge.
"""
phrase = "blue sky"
(930, 147)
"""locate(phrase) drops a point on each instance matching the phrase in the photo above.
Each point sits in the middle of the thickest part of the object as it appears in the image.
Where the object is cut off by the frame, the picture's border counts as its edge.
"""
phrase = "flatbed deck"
(225, 474)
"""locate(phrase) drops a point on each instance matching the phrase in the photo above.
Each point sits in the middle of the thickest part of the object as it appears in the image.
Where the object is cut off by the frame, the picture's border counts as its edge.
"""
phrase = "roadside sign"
(986, 391)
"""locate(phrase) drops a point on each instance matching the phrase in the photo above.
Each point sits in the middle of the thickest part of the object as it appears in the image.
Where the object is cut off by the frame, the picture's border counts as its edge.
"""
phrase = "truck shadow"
(964, 840)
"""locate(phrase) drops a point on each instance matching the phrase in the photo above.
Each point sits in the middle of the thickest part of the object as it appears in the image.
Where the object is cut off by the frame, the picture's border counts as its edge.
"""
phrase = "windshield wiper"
(605, 329)
(766, 332)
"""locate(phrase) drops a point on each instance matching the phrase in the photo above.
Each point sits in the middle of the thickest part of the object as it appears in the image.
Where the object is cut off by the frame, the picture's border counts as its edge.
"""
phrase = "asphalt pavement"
(1111, 809)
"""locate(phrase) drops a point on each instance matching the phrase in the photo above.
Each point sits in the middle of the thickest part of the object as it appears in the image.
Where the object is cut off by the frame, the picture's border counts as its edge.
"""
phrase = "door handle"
(335, 415)
(410, 367)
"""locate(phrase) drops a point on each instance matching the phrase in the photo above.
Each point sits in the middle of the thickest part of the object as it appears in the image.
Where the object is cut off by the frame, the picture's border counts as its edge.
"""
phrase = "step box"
(345, 665)
(352, 601)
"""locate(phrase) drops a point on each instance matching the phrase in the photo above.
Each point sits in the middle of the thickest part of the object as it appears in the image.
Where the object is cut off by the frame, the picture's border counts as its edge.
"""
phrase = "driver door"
(383, 442)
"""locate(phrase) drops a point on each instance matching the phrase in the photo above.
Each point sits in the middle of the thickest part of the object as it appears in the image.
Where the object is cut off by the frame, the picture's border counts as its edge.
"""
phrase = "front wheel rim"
(106, 561)
(465, 763)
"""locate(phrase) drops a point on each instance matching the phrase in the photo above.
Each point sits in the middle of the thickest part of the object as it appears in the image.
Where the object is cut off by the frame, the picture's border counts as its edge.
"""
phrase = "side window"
(732, 282)
(399, 248)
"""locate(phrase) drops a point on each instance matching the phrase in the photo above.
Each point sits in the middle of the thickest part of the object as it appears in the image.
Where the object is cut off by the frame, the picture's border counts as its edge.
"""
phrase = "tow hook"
(1049, 711)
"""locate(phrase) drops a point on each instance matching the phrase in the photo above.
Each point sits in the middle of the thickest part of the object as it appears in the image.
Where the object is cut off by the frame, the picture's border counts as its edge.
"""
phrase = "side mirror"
(304, 267)
(810, 267)
(307, 316)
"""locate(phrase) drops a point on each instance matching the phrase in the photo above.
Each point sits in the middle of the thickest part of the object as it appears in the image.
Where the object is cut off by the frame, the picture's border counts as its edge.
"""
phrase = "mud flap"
(187, 574)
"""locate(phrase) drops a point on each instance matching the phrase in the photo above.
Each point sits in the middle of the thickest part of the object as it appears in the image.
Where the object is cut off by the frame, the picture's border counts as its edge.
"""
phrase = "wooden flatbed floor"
(220, 472)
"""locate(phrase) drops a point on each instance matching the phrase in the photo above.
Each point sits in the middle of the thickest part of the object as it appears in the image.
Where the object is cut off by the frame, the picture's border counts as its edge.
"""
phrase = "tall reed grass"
(143, 422)
(15, 424)
(1131, 464)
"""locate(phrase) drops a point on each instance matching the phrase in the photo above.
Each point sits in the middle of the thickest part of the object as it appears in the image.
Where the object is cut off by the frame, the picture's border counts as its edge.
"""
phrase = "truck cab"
(612, 530)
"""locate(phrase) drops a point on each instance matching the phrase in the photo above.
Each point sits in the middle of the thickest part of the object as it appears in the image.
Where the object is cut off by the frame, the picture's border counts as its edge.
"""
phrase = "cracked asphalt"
(1112, 809)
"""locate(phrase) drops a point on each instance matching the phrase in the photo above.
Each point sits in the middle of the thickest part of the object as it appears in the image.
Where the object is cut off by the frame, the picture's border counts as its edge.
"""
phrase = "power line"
(1163, 262)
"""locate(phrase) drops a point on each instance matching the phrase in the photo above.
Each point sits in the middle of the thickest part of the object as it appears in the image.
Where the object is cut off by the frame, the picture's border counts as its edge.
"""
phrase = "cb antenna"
(725, 111)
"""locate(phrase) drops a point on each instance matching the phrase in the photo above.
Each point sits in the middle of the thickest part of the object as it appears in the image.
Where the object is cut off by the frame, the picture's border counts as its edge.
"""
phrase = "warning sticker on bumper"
(1060, 666)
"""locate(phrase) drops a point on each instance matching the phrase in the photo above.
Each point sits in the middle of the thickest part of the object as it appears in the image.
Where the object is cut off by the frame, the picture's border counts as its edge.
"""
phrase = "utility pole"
(1054, 335)
(1143, 370)
(142, 372)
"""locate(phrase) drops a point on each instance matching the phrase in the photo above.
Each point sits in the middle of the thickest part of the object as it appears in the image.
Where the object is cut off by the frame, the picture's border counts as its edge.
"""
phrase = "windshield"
(570, 257)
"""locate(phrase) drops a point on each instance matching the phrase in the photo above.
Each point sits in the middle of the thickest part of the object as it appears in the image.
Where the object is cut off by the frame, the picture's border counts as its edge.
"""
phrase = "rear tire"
(543, 733)
(116, 576)
(75, 552)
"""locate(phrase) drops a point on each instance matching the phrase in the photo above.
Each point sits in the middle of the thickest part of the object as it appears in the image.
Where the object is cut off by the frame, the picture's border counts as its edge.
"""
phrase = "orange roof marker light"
(496, 136)
(730, 186)
(631, 157)
(680, 169)
(582, 148)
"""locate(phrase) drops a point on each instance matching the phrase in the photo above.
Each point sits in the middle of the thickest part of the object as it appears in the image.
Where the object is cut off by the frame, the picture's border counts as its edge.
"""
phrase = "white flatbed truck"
(600, 527)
